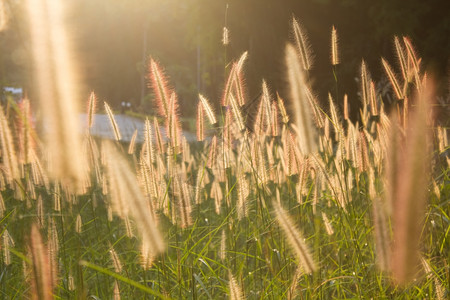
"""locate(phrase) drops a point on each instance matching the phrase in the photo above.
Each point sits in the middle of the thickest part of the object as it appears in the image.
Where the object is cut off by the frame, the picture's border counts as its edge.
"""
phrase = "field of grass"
(298, 203)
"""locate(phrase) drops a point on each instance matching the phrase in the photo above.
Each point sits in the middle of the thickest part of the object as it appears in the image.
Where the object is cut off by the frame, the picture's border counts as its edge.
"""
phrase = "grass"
(238, 213)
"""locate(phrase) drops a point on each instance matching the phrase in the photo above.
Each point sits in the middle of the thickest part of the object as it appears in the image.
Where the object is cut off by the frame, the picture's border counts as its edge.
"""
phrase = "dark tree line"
(114, 39)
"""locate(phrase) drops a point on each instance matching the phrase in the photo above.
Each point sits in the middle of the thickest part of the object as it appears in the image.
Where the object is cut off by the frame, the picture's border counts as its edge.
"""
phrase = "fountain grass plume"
(92, 105)
(200, 123)
(132, 145)
(334, 47)
(237, 113)
(208, 110)
(113, 122)
(235, 289)
(365, 82)
(42, 283)
(294, 238)
(8, 152)
(57, 88)
(305, 130)
(401, 56)
(149, 153)
(159, 139)
(393, 79)
(159, 84)
(410, 191)
(129, 200)
(283, 112)
(414, 61)
(303, 46)
(266, 101)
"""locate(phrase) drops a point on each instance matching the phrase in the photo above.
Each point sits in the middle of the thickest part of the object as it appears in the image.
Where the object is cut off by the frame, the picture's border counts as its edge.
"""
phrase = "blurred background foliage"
(114, 39)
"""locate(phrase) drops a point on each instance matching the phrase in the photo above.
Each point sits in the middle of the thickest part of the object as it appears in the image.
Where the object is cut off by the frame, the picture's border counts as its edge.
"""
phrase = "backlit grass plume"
(158, 82)
(266, 102)
(27, 139)
(235, 289)
(237, 113)
(294, 238)
(334, 47)
(42, 282)
(132, 145)
(113, 122)
(128, 200)
(414, 61)
(173, 125)
(208, 110)
(302, 111)
(410, 192)
(303, 46)
(149, 151)
(200, 123)
(393, 79)
(282, 109)
(235, 82)
(92, 105)
(225, 36)
(402, 59)
(57, 86)
(8, 153)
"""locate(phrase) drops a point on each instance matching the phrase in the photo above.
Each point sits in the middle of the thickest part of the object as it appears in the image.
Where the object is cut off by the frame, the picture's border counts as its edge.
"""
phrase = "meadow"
(295, 201)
